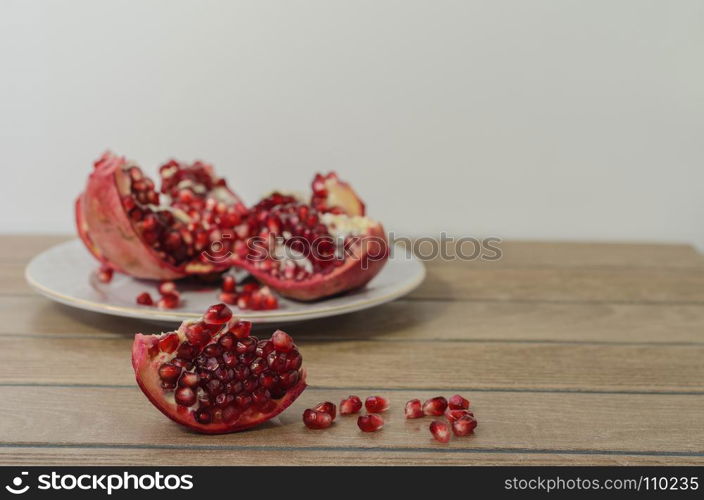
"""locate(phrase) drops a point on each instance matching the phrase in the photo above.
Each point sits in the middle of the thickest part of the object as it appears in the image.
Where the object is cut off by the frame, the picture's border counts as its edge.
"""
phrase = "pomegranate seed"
(435, 406)
(228, 284)
(370, 423)
(228, 298)
(241, 329)
(440, 431)
(453, 415)
(457, 402)
(326, 407)
(167, 287)
(168, 343)
(169, 372)
(350, 405)
(218, 314)
(282, 341)
(189, 379)
(105, 274)
(169, 301)
(314, 419)
(185, 396)
(464, 425)
(414, 409)
(145, 299)
(376, 404)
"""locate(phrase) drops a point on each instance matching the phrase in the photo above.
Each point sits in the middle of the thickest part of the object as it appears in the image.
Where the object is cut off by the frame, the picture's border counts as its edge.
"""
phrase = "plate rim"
(160, 315)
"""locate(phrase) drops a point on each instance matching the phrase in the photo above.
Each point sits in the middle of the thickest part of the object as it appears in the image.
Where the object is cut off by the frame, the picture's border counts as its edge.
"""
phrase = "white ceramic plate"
(66, 273)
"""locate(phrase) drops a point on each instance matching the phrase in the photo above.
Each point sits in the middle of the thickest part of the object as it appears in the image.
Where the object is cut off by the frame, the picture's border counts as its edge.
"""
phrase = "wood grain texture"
(80, 455)
(397, 365)
(571, 353)
(421, 320)
(514, 422)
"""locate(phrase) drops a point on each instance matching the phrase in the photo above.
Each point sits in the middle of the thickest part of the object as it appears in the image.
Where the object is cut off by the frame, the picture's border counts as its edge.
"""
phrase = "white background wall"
(518, 118)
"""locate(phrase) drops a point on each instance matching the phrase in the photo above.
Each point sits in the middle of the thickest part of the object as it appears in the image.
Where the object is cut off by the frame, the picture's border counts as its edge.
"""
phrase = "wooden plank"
(448, 281)
(449, 364)
(129, 457)
(417, 320)
(508, 422)
(22, 247)
(162, 457)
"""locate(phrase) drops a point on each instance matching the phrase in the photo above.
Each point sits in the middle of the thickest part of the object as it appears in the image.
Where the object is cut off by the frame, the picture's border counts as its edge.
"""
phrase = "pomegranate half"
(212, 376)
(129, 226)
(307, 251)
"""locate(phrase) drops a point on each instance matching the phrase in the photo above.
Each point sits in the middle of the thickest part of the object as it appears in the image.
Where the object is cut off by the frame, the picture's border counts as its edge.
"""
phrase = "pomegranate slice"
(307, 253)
(330, 194)
(210, 375)
(128, 226)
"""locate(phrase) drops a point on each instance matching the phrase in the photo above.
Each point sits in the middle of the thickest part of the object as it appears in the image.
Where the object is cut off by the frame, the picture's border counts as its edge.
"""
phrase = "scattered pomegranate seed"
(314, 419)
(370, 423)
(218, 314)
(350, 405)
(167, 287)
(435, 406)
(464, 425)
(440, 431)
(414, 409)
(105, 274)
(169, 301)
(376, 404)
(457, 402)
(145, 299)
(228, 298)
(453, 415)
(327, 407)
(228, 284)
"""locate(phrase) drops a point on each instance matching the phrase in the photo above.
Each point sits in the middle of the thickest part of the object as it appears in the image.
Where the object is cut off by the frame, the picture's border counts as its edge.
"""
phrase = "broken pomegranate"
(370, 423)
(376, 404)
(414, 409)
(435, 406)
(440, 431)
(307, 252)
(350, 405)
(210, 375)
(132, 228)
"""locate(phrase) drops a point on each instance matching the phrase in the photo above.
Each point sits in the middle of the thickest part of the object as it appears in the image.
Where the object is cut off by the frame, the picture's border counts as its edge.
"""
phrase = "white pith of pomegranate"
(306, 254)
(330, 194)
(129, 226)
(212, 376)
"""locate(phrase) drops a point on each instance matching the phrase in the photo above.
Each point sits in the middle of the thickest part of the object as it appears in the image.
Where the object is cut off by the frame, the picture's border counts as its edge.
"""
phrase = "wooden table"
(570, 353)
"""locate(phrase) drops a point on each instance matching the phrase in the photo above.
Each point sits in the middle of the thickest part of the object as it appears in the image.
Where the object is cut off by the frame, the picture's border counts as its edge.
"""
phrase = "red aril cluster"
(460, 419)
(213, 376)
(250, 295)
(321, 416)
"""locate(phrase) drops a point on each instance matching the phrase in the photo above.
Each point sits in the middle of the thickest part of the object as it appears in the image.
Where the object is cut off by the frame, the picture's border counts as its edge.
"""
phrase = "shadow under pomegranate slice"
(125, 223)
(212, 376)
